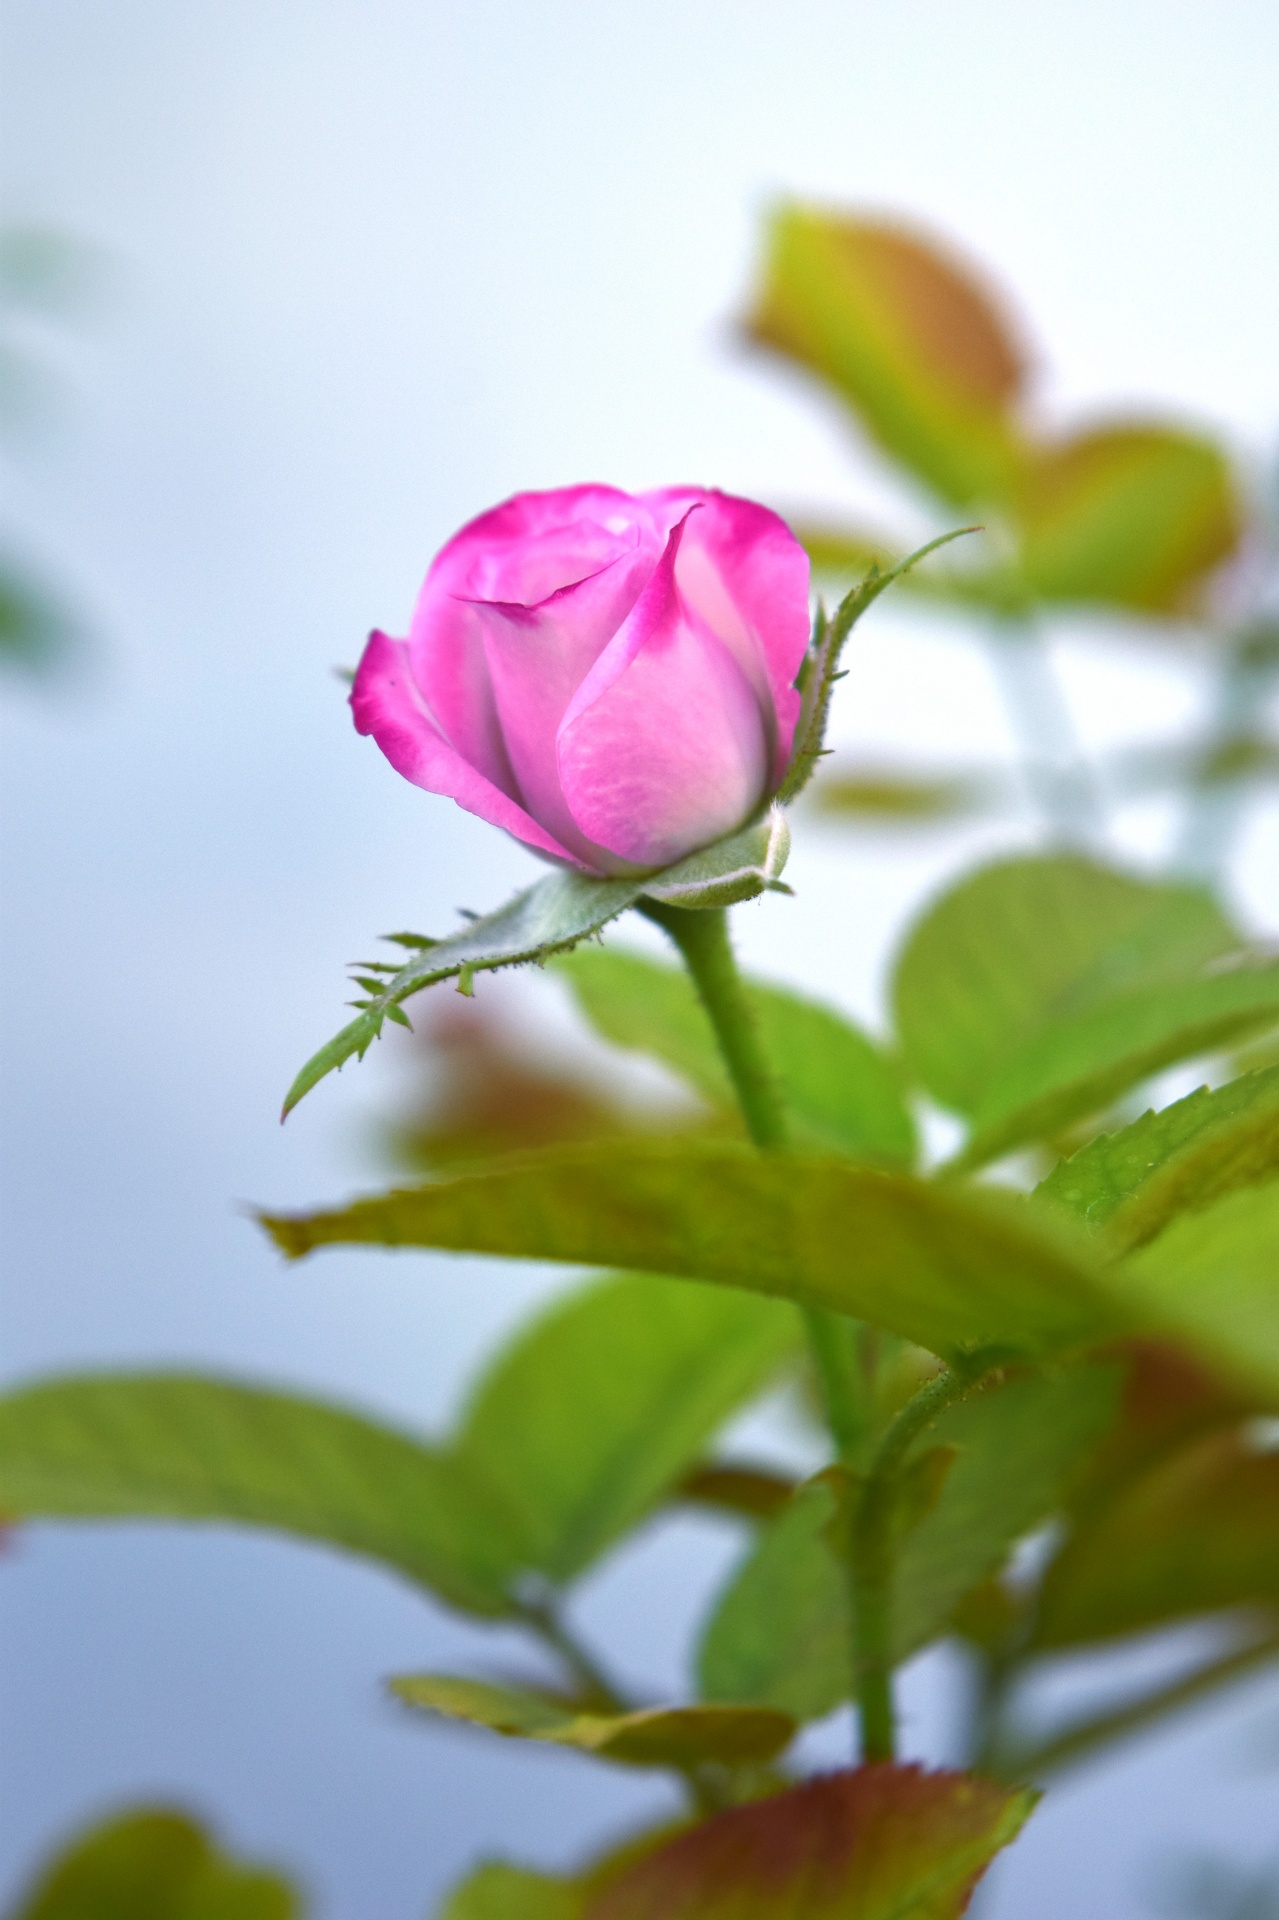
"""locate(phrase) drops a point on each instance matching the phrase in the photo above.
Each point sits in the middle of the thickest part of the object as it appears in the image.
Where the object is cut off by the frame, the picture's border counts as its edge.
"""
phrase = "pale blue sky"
(379, 265)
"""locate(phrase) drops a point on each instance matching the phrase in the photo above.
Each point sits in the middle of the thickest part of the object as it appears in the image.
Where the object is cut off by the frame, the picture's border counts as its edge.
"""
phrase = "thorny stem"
(703, 939)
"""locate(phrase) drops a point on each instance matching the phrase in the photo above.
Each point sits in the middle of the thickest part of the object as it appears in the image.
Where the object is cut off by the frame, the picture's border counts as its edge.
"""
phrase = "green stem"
(1074, 1743)
(702, 937)
(1054, 766)
(595, 1690)
(872, 1559)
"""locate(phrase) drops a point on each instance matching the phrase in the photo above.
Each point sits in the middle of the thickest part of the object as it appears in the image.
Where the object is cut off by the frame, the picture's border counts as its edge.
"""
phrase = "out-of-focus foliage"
(153, 1863)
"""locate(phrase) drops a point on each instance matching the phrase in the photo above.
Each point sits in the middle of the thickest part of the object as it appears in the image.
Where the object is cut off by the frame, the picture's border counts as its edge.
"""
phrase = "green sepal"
(740, 867)
(820, 670)
(650, 1737)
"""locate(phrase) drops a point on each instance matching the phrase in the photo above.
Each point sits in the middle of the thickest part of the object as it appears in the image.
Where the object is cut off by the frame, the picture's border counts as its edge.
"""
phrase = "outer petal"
(664, 748)
(535, 543)
(537, 659)
(387, 703)
(745, 573)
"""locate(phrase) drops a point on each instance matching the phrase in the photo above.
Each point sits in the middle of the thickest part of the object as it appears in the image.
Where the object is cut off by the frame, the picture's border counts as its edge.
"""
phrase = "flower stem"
(872, 1556)
(702, 937)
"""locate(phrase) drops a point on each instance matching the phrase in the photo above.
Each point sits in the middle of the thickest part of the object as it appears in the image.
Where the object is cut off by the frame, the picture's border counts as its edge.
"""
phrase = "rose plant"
(1083, 1350)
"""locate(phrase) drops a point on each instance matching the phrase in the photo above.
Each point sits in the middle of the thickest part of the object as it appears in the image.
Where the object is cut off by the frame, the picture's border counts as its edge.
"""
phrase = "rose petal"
(388, 704)
(745, 573)
(664, 747)
(536, 543)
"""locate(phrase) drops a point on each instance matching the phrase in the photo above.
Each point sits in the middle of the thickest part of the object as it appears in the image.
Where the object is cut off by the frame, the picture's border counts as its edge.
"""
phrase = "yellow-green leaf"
(907, 337)
(948, 1268)
(649, 1737)
(1132, 515)
(152, 1863)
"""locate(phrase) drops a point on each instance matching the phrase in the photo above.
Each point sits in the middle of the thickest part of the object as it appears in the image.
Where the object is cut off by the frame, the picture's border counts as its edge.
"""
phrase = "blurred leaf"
(907, 337)
(592, 1414)
(1178, 1160)
(153, 1863)
(1209, 1279)
(896, 796)
(183, 1448)
(1193, 1535)
(1039, 989)
(47, 271)
(650, 1737)
(36, 633)
(881, 1843)
(1131, 515)
(755, 1492)
(782, 1633)
(496, 1891)
(481, 1093)
(841, 1091)
(949, 1269)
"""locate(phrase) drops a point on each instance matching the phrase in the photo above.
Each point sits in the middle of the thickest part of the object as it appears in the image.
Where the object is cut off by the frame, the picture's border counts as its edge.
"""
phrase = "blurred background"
(350, 274)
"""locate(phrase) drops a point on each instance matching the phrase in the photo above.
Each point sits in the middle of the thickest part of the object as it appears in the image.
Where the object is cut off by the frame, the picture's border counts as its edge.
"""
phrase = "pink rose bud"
(608, 676)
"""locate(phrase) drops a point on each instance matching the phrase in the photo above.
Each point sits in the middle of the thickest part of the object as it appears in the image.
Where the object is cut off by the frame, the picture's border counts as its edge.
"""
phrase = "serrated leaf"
(907, 337)
(880, 1843)
(179, 1447)
(545, 918)
(782, 1632)
(1134, 514)
(152, 1863)
(650, 1737)
(1209, 1281)
(1194, 1534)
(594, 1413)
(1178, 1160)
(1039, 989)
(840, 1090)
(948, 1269)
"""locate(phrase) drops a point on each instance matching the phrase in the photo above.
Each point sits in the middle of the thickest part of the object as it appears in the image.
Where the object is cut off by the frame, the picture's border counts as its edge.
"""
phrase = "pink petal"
(745, 573)
(387, 703)
(664, 747)
(537, 659)
(536, 543)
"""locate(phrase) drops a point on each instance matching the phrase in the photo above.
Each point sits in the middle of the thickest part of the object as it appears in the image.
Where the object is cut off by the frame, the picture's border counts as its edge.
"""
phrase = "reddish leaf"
(881, 1843)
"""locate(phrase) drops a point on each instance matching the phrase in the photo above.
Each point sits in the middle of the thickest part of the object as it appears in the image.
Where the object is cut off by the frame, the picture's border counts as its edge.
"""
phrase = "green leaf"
(908, 338)
(841, 1091)
(947, 1268)
(182, 1448)
(650, 1737)
(1209, 1280)
(881, 1843)
(497, 1891)
(1178, 1160)
(782, 1633)
(153, 1863)
(597, 1410)
(546, 918)
(1039, 989)
(1131, 515)
(1195, 1534)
